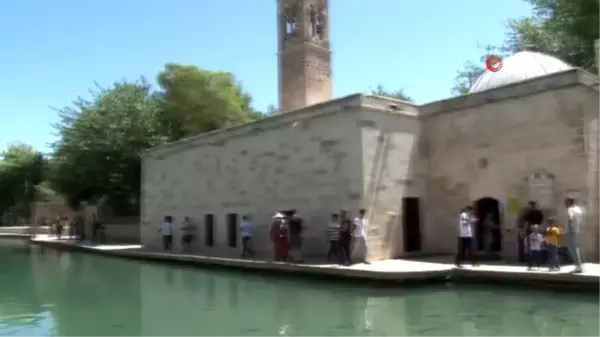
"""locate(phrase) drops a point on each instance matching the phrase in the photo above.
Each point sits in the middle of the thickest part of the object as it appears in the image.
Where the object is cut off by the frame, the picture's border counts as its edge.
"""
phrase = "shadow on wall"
(392, 192)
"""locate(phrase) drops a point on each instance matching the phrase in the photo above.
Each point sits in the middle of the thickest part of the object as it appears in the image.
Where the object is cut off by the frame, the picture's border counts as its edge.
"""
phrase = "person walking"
(280, 238)
(296, 227)
(167, 234)
(359, 242)
(465, 237)
(246, 227)
(187, 236)
(345, 239)
(333, 236)
(575, 221)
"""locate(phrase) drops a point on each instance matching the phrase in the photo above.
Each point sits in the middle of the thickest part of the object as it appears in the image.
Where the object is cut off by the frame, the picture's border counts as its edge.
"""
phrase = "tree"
(566, 29)
(271, 110)
(21, 169)
(193, 101)
(466, 77)
(399, 94)
(97, 153)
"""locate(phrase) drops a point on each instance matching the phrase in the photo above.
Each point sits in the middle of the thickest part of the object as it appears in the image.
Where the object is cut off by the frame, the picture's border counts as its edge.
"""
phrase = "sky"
(54, 51)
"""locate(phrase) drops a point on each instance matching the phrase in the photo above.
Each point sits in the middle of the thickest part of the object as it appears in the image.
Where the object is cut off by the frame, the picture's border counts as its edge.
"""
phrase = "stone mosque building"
(526, 132)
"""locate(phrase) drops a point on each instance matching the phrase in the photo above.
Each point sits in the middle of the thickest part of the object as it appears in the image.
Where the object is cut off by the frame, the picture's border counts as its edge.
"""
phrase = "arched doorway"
(486, 209)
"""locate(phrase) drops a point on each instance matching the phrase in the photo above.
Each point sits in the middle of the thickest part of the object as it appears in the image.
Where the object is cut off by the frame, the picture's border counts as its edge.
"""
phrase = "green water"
(58, 293)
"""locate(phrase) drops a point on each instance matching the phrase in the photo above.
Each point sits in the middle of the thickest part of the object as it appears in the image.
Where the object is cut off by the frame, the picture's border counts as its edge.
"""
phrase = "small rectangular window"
(209, 229)
(232, 229)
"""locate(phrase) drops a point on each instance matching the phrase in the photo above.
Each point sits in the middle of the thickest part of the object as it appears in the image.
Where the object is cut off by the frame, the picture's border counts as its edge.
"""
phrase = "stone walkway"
(391, 270)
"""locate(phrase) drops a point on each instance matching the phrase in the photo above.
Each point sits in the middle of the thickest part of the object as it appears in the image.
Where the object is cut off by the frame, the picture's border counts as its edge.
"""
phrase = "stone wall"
(490, 150)
(392, 170)
(122, 233)
(308, 160)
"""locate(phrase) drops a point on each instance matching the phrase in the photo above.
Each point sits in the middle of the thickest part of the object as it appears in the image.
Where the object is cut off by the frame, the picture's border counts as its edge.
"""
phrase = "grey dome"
(519, 67)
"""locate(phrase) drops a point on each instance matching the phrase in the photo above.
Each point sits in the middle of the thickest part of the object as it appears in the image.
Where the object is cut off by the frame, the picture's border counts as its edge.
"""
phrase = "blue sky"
(53, 51)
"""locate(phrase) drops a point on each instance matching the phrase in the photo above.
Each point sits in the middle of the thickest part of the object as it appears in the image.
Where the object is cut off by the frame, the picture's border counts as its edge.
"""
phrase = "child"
(535, 247)
(552, 238)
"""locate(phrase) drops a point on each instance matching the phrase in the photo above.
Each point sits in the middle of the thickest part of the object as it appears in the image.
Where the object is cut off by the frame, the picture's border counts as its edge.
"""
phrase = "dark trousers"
(553, 261)
(186, 242)
(246, 247)
(535, 258)
(344, 252)
(167, 242)
(333, 249)
(465, 251)
(59, 230)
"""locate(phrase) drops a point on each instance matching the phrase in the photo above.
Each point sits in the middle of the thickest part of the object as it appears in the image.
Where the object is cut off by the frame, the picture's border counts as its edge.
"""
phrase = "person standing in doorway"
(531, 215)
(359, 244)
(246, 227)
(333, 235)
(465, 237)
(167, 233)
(575, 221)
(489, 226)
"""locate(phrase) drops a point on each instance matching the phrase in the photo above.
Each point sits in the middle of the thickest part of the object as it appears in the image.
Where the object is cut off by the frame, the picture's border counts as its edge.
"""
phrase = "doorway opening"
(209, 230)
(411, 224)
(489, 225)
(232, 229)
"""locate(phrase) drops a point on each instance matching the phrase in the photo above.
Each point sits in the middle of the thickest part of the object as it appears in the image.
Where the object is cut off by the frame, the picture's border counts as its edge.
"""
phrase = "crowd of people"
(540, 238)
(62, 227)
(347, 244)
(346, 237)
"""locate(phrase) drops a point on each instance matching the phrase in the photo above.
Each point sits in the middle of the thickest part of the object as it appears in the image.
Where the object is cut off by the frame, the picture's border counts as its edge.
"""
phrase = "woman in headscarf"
(280, 237)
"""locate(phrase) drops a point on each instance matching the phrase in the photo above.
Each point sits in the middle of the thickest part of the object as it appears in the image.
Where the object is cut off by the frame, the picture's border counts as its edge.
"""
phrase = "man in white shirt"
(246, 227)
(167, 233)
(359, 242)
(465, 236)
(575, 221)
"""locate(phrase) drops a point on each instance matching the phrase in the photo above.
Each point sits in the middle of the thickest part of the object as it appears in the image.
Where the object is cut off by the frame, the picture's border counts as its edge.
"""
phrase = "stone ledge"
(259, 266)
(433, 272)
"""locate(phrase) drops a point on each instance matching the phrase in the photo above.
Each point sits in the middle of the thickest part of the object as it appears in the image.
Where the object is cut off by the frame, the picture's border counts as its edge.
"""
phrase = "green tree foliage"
(566, 29)
(399, 94)
(471, 71)
(97, 153)
(100, 139)
(193, 101)
(21, 169)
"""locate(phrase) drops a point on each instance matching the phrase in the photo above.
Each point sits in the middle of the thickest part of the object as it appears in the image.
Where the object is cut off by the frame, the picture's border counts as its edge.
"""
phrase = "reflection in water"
(96, 295)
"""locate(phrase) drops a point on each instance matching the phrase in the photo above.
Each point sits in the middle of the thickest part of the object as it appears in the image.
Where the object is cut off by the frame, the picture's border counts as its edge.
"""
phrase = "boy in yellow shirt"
(552, 244)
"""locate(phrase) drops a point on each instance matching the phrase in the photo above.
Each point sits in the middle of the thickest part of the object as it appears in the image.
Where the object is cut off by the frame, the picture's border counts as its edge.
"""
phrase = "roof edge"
(346, 102)
(526, 87)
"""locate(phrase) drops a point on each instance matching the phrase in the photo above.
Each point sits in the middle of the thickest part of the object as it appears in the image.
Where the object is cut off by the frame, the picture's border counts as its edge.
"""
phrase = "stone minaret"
(304, 55)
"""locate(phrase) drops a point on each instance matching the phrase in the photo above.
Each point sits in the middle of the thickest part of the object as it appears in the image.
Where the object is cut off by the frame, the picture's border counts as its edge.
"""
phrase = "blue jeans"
(553, 256)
